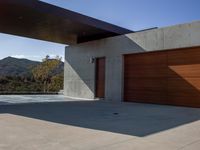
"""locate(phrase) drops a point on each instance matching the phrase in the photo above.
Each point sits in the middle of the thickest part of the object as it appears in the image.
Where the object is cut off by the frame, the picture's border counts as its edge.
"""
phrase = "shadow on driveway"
(125, 118)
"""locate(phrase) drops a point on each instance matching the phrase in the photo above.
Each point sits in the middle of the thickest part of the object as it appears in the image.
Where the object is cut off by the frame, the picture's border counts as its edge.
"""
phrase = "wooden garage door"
(169, 77)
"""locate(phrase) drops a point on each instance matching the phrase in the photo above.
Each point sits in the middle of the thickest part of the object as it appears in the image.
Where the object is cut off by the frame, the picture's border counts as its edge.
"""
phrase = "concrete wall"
(80, 73)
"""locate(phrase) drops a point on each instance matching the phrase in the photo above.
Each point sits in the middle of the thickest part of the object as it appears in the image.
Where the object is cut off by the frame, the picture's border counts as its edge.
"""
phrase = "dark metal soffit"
(39, 20)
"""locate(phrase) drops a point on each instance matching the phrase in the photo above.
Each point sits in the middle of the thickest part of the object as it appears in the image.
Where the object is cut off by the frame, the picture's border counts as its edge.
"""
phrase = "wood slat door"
(169, 77)
(100, 77)
(145, 77)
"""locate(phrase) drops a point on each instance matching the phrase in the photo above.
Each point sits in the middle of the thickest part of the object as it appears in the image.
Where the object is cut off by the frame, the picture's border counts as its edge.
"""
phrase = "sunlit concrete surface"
(93, 125)
(18, 99)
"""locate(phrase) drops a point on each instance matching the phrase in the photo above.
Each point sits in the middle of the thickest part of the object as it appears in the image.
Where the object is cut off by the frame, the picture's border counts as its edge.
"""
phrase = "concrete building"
(154, 66)
(160, 66)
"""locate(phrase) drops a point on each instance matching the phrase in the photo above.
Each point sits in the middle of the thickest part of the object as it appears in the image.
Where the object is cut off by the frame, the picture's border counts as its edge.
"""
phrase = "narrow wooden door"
(100, 77)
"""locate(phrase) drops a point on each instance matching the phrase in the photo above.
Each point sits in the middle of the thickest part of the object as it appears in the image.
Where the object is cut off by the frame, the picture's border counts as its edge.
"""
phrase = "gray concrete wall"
(80, 73)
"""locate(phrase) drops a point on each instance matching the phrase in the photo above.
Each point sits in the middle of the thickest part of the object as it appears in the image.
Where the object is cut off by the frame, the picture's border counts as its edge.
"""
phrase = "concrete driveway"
(20, 99)
(93, 125)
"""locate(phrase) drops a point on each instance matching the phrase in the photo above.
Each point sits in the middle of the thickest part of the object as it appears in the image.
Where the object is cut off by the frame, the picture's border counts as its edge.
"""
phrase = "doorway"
(100, 78)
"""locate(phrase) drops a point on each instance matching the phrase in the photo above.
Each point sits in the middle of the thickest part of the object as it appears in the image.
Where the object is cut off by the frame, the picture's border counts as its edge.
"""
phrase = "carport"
(39, 20)
(103, 61)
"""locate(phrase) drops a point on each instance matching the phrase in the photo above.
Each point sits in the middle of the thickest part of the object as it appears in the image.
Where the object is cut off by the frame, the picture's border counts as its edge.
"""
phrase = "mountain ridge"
(11, 66)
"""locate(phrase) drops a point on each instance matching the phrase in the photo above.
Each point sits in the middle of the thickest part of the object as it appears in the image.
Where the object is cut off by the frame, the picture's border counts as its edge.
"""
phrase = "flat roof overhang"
(39, 20)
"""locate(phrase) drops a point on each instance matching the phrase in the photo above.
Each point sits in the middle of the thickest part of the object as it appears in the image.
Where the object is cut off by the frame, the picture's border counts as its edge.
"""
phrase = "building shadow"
(124, 118)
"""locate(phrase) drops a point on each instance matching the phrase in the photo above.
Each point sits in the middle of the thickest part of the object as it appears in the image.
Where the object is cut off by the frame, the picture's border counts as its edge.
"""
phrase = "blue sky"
(131, 14)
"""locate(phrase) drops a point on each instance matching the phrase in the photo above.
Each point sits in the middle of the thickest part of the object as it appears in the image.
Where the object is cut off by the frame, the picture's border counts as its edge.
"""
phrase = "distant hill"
(10, 66)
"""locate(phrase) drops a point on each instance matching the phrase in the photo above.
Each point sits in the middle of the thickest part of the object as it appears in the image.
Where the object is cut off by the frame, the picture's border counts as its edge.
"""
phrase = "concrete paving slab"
(20, 99)
(91, 125)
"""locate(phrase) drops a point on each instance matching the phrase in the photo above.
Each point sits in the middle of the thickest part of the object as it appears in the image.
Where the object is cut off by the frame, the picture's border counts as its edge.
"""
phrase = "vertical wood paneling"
(168, 77)
(100, 77)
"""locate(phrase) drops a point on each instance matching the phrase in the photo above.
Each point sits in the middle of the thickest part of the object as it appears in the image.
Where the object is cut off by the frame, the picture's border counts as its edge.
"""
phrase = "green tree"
(44, 71)
(57, 82)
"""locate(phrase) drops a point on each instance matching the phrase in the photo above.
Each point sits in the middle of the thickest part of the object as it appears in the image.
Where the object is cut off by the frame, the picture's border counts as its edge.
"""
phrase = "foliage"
(46, 76)
(56, 82)
(44, 72)
(18, 84)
